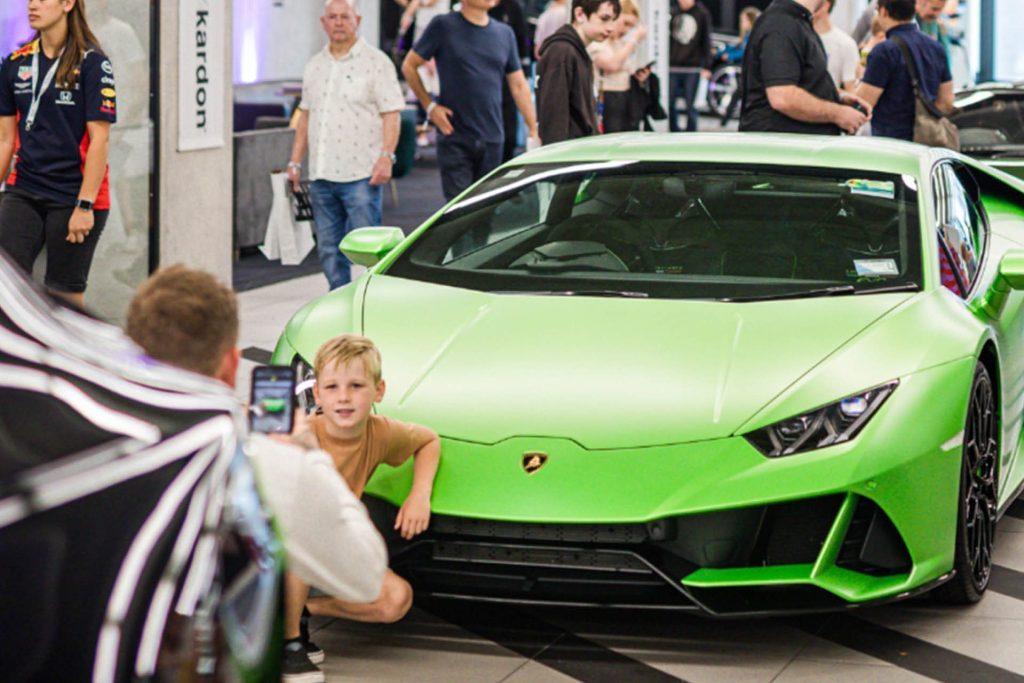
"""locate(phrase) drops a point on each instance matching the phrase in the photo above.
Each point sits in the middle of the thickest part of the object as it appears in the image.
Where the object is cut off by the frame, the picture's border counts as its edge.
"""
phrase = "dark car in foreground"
(134, 545)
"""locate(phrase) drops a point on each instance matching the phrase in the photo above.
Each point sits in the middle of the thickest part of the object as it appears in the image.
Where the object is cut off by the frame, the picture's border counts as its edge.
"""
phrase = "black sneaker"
(296, 667)
(313, 651)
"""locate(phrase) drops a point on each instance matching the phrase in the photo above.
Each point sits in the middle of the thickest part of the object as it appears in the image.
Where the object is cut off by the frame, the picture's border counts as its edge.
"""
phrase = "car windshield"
(675, 231)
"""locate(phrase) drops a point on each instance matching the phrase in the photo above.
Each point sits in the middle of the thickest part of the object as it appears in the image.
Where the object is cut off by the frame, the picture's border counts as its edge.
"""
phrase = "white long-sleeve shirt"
(328, 537)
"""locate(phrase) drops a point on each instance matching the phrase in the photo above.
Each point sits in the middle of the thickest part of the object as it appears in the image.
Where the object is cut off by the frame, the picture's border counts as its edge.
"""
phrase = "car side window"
(959, 227)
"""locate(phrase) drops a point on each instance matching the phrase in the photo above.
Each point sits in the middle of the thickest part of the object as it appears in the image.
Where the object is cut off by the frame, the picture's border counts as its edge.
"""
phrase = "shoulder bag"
(931, 126)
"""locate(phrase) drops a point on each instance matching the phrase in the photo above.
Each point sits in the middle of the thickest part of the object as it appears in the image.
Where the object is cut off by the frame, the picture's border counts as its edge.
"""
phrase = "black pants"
(464, 160)
(616, 115)
(27, 223)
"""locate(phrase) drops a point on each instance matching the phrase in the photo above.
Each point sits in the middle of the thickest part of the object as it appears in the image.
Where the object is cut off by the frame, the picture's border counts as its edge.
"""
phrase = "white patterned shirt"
(344, 99)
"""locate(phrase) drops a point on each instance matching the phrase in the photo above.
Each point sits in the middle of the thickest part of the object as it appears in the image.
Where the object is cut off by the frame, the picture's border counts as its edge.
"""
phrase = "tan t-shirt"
(385, 440)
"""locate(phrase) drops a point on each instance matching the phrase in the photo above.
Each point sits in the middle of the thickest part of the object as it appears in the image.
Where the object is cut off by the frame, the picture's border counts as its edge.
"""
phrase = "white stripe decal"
(127, 582)
(171, 398)
(17, 377)
(48, 494)
(156, 618)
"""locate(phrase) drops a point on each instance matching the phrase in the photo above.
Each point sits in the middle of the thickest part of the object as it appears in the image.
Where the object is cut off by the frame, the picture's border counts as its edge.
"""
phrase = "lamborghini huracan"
(738, 374)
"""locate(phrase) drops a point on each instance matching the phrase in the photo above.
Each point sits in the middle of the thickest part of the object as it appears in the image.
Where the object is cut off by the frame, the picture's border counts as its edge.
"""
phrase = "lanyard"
(47, 80)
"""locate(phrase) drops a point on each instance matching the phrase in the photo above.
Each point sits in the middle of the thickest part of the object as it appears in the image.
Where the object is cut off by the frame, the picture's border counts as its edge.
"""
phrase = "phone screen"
(272, 403)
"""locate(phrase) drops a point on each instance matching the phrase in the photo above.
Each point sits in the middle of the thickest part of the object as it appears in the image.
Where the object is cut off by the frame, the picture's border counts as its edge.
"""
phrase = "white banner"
(201, 74)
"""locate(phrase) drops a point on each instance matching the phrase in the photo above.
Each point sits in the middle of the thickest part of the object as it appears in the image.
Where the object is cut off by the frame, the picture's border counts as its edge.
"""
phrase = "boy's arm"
(414, 515)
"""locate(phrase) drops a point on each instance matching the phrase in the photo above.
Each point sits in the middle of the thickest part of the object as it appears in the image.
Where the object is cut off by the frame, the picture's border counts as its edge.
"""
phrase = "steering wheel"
(618, 235)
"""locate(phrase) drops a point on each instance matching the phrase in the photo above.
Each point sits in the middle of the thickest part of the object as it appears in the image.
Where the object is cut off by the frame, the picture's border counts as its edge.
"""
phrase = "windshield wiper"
(625, 294)
(838, 290)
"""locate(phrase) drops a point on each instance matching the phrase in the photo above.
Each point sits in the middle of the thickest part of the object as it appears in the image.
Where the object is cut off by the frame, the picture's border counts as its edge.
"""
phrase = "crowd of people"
(465, 70)
(800, 74)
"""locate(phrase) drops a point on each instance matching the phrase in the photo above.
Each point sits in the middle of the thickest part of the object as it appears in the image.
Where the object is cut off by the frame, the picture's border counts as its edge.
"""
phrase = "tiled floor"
(919, 640)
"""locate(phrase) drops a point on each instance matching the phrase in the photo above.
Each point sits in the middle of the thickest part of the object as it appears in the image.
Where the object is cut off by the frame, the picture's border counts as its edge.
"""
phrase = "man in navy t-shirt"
(886, 83)
(474, 54)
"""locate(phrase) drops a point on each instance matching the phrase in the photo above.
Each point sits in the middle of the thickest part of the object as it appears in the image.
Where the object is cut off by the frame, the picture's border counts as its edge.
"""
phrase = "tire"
(977, 504)
(723, 86)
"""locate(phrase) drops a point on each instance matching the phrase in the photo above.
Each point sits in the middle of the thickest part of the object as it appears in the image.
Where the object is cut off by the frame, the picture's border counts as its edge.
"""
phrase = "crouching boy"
(348, 383)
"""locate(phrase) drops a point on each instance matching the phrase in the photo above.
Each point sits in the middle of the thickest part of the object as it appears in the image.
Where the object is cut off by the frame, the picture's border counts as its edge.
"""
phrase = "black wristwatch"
(83, 204)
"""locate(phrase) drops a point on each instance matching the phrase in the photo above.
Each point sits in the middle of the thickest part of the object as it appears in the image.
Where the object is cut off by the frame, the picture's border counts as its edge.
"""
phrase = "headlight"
(304, 381)
(827, 426)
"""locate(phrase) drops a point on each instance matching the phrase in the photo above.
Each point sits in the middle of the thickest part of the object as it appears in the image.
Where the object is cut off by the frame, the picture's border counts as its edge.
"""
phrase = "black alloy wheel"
(976, 519)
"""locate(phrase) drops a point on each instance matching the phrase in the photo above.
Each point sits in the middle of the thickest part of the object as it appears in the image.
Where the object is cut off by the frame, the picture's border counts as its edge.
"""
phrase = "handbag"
(931, 126)
(287, 237)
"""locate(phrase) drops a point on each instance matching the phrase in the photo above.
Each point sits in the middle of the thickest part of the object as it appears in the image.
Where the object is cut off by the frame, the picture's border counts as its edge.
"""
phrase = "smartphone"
(272, 401)
(648, 65)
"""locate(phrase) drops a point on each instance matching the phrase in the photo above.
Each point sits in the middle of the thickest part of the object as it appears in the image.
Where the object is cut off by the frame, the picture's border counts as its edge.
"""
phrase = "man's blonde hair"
(185, 318)
(345, 348)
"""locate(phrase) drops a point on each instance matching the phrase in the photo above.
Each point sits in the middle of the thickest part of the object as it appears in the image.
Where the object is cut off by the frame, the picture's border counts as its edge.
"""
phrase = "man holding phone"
(186, 318)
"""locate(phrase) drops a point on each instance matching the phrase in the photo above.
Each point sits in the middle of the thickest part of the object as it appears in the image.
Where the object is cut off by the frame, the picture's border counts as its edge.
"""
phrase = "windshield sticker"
(513, 173)
(879, 266)
(872, 188)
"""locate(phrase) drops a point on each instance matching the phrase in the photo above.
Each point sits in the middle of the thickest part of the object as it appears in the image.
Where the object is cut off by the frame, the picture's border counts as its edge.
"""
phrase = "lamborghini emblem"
(533, 461)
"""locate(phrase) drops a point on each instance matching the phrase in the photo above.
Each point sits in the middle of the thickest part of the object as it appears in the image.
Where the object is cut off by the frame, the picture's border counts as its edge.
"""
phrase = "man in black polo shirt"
(786, 84)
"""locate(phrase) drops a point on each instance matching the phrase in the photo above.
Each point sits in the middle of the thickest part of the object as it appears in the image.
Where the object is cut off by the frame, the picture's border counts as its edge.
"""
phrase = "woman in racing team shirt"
(57, 102)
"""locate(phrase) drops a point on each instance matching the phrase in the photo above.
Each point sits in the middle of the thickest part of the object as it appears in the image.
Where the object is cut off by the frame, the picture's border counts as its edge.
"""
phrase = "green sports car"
(738, 374)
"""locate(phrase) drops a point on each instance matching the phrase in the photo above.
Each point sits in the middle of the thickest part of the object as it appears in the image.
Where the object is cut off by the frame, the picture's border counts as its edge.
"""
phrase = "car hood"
(604, 372)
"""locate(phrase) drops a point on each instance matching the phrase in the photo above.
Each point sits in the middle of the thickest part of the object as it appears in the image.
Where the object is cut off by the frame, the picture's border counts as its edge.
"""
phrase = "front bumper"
(712, 526)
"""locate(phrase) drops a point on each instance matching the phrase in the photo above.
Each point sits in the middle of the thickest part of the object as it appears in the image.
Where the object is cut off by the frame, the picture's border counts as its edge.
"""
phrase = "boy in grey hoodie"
(566, 102)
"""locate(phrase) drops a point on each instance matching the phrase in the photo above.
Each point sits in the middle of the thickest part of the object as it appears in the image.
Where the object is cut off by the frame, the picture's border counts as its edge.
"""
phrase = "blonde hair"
(629, 7)
(751, 13)
(346, 348)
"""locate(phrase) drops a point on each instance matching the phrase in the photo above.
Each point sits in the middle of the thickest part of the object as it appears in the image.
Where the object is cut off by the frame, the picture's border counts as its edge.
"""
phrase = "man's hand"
(414, 516)
(705, 74)
(79, 226)
(848, 118)
(441, 117)
(294, 171)
(848, 97)
(381, 171)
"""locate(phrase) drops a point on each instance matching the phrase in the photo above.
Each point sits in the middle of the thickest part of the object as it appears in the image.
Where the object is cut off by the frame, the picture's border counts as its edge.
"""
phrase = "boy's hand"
(414, 516)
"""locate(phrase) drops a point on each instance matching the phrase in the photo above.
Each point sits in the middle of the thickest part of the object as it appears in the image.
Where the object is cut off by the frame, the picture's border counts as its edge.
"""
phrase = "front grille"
(540, 556)
(542, 574)
(633, 564)
(613, 534)
(872, 544)
(785, 533)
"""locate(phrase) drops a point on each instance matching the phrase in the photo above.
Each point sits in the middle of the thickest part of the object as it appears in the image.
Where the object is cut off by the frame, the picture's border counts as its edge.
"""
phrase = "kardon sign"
(201, 74)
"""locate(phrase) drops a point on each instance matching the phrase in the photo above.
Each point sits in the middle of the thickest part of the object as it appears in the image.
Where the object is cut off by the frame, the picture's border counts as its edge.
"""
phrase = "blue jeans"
(683, 85)
(337, 209)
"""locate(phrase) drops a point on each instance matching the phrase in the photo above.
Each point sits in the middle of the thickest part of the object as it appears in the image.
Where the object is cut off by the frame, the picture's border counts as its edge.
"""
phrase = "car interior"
(749, 225)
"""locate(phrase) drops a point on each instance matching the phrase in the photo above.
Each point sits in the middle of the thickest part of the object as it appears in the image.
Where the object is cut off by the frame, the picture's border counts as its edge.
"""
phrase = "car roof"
(823, 151)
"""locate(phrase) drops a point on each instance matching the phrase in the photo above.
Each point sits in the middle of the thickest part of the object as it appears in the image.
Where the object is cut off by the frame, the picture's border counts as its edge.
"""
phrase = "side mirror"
(1010, 277)
(367, 246)
(1011, 268)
